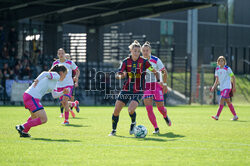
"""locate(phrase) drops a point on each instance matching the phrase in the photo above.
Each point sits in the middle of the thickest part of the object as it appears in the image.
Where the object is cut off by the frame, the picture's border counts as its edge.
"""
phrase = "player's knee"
(44, 119)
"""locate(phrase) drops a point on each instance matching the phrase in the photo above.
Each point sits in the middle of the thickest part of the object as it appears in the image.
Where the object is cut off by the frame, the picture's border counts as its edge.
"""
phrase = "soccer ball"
(140, 131)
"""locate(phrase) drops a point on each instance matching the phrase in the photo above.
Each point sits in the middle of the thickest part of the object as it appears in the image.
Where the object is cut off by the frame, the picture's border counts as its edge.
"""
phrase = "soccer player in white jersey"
(43, 84)
(67, 56)
(224, 76)
(155, 90)
(67, 83)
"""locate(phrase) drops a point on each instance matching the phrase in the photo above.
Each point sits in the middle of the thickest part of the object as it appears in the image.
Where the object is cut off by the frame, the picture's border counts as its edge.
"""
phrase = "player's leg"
(61, 109)
(115, 117)
(163, 111)
(131, 110)
(148, 102)
(39, 116)
(231, 107)
(65, 104)
(222, 100)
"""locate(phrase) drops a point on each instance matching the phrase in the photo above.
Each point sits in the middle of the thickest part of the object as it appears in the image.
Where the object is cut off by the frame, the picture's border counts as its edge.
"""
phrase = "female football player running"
(43, 84)
(67, 56)
(133, 68)
(223, 76)
(67, 83)
(155, 90)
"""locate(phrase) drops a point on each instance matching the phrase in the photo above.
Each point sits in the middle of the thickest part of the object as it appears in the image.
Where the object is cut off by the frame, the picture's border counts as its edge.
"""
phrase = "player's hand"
(76, 84)
(234, 89)
(65, 91)
(212, 89)
(35, 83)
(75, 79)
(165, 89)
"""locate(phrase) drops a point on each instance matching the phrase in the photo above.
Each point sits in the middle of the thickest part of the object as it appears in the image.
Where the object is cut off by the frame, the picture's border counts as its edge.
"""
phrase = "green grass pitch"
(193, 139)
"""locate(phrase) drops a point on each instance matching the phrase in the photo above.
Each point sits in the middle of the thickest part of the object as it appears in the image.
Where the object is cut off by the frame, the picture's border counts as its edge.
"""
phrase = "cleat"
(132, 127)
(66, 122)
(113, 133)
(157, 131)
(20, 129)
(61, 116)
(72, 114)
(235, 118)
(168, 121)
(25, 135)
(77, 106)
(215, 117)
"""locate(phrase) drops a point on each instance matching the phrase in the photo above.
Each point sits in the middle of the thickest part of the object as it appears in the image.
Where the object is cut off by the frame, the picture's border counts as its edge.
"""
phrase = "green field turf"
(193, 139)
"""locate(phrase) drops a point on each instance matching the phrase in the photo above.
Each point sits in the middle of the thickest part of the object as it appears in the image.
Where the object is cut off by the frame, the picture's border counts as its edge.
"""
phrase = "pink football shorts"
(68, 95)
(225, 93)
(154, 89)
(31, 103)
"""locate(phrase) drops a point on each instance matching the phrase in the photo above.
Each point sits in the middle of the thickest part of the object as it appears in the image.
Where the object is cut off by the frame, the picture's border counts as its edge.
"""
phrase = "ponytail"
(146, 44)
(134, 44)
(58, 68)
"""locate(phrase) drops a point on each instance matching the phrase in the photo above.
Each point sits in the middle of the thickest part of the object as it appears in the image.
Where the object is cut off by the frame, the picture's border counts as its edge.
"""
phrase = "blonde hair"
(221, 57)
(134, 44)
(146, 44)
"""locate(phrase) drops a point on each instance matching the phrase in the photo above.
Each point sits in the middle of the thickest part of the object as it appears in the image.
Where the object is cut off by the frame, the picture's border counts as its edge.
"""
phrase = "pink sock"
(163, 111)
(66, 114)
(151, 115)
(219, 110)
(26, 130)
(231, 107)
(32, 123)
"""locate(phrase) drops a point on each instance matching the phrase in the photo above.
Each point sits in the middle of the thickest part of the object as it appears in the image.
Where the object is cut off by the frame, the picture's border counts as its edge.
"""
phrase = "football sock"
(219, 110)
(32, 123)
(66, 114)
(115, 120)
(133, 117)
(231, 107)
(163, 111)
(61, 108)
(26, 130)
(151, 115)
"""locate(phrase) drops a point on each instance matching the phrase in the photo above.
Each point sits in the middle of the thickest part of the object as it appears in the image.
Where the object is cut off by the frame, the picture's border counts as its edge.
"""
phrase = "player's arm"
(77, 71)
(164, 73)
(234, 83)
(56, 94)
(122, 71)
(216, 82)
(120, 75)
(41, 76)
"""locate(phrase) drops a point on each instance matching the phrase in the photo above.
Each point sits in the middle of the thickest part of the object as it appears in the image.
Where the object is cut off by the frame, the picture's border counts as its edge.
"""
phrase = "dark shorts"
(126, 96)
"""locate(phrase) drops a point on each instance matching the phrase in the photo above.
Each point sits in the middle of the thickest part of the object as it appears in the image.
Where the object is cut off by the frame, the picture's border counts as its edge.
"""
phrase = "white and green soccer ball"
(140, 131)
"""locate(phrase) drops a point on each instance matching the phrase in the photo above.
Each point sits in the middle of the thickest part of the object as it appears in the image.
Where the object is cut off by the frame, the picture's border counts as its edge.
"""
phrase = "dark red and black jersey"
(136, 71)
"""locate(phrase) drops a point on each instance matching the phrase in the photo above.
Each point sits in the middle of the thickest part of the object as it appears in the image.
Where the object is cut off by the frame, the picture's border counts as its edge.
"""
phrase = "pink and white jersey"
(224, 75)
(46, 84)
(70, 65)
(157, 64)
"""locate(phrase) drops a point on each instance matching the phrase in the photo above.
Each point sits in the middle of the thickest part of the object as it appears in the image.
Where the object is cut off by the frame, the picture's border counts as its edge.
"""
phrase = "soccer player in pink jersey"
(67, 83)
(43, 84)
(224, 75)
(154, 89)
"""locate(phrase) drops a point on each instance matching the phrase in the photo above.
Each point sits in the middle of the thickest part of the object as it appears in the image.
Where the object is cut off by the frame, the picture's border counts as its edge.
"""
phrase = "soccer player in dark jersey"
(133, 68)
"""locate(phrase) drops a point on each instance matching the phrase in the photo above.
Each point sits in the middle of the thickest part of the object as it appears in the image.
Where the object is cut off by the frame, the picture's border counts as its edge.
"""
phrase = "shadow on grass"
(75, 125)
(171, 135)
(145, 139)
(78, 118)
(54, 140)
